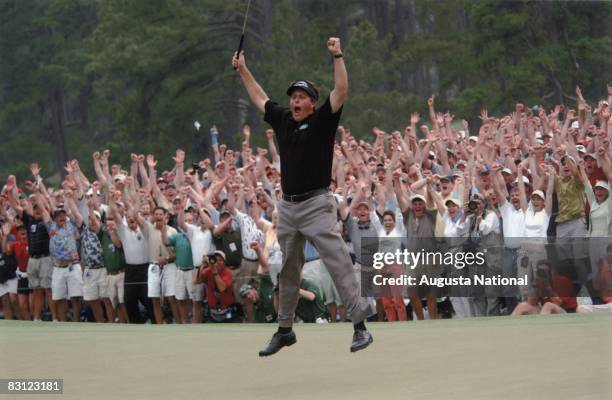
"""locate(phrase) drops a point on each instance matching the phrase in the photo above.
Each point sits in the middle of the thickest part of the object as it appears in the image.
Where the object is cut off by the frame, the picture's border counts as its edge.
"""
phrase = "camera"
(472, 206)
(212, 259)
(543, 272)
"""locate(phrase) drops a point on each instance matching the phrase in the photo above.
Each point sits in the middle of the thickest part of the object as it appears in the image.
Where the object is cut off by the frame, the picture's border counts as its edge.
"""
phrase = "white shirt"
(156, 247)
(135, 245)
(249, 232)
(600, 214)
(536, 223)
(201, 242)
(513, 223)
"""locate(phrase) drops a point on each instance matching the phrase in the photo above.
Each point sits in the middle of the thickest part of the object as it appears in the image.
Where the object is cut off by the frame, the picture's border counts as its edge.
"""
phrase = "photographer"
(549, 293)
(219, 280)
(482, 229)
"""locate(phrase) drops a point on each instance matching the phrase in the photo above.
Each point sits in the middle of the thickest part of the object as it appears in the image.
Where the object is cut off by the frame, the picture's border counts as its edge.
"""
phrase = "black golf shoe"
(361, 340)
(278, 341)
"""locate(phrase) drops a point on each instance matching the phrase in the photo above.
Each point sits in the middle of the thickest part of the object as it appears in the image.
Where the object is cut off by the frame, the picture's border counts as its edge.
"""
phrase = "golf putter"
(246, 15)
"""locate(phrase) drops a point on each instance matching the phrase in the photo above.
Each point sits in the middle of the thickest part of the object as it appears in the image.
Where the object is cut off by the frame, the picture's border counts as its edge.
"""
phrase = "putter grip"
(240, 47)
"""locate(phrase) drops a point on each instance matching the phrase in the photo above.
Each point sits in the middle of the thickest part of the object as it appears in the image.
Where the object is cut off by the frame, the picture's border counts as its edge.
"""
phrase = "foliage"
(81, 75)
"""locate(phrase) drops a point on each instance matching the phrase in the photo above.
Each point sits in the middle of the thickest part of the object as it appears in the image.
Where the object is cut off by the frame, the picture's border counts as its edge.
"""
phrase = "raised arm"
(338, 95)
(272, 146)
(521, 186)
(403, 202)
(550, 188)
(256, 93)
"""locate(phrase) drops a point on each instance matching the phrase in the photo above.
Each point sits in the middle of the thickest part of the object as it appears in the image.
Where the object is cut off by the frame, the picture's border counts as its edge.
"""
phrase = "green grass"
(536, 357)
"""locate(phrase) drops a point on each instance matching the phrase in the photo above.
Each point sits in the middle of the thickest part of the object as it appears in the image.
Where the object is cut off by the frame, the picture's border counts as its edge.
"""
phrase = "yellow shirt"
(570, 195)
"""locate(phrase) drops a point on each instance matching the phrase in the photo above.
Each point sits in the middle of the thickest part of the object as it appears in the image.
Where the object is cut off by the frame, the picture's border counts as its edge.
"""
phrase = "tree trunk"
(58, 125)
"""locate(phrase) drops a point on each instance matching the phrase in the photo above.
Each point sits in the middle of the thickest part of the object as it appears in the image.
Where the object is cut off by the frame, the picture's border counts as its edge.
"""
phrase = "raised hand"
(246, 131)
(179, 156)
(333, 46)
(151, 161)
(35, 169)
(415, 118)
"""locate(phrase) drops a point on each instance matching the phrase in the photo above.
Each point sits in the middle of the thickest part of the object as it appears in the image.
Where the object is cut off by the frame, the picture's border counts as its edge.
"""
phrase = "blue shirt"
(62, 243)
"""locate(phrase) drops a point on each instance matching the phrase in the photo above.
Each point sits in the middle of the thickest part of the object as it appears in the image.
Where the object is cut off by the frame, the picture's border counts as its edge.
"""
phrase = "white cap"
(603, 185)
(220, 253)
(120, 177)
(506, 170)
(418, 197)
(575, 125)
(538, 135)
(97, 214)
(538, 193)
(525, 180)
(581, 148)
(474, 138)
(453, 200)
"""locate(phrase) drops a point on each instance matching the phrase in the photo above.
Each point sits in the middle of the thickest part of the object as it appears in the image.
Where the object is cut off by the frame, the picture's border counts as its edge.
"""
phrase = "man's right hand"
(238, 62)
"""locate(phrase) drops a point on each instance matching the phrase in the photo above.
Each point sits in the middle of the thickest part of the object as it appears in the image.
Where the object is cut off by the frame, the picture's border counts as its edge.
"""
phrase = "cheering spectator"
(67, 279)
(8, 276)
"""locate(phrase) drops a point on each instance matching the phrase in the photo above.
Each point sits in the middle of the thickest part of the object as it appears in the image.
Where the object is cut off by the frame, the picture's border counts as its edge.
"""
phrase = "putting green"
(536, 357)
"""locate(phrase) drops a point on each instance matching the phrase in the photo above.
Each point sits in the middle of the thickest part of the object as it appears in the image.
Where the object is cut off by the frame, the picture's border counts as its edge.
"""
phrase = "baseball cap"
(363, 203)
(592, 155)
(485, 169)
(120, 177)
(418, 197)
(476, 196)
(506, 170)
(525, 180)
(306, 86)
(603, 185)
(581, 148)
(538, 193)
(453, 200)
(448, 177)
(220, 253)
(58, 211)
(244, 289)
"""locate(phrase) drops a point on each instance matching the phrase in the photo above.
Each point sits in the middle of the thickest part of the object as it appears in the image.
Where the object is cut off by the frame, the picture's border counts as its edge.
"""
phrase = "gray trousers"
(315, 219)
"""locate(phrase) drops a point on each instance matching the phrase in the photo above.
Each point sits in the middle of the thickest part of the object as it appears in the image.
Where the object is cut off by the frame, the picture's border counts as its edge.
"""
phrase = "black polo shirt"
(38, 237)
(306, 148)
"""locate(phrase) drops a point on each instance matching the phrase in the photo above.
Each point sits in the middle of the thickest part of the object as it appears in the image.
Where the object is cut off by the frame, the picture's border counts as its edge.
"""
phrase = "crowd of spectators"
(199, 243)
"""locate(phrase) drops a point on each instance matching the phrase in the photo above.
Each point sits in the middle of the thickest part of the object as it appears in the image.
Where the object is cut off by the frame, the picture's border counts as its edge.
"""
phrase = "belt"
(117, 272)
(186, 269)
(96, 267)
(39, 256)
(296, 198)
(248, 259)
(67, 265)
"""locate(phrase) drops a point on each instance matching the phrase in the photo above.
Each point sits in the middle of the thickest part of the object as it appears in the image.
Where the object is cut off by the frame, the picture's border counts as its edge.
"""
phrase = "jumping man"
(307, 211)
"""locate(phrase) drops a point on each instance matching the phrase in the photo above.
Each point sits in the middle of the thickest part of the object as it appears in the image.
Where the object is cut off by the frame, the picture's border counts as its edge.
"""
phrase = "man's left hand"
(333, 46)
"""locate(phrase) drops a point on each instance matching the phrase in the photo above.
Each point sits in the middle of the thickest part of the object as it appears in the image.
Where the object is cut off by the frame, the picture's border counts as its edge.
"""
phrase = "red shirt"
(20, 250)
(212, 293)
(566, 291)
